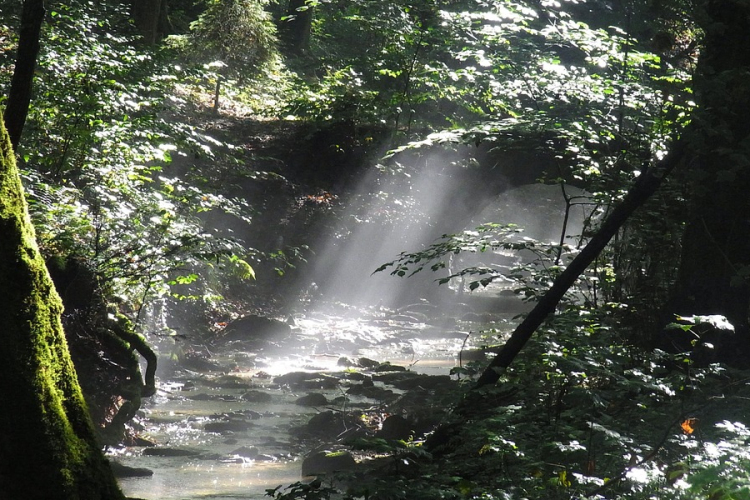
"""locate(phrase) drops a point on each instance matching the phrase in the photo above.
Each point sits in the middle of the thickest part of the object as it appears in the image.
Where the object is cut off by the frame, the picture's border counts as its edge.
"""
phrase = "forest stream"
(234, 426)
(229, 422)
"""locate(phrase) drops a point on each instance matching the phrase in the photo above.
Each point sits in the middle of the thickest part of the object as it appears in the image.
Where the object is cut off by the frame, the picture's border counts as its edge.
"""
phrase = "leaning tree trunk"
(714, 274)
(645, 186)
(48, 448)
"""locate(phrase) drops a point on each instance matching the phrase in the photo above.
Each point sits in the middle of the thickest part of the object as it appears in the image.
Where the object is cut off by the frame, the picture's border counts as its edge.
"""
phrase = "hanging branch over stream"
(644, 187)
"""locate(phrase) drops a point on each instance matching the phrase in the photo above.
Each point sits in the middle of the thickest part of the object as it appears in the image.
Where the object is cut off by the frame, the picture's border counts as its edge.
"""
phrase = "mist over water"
(386, 215)
(389, 214)
(539, 210)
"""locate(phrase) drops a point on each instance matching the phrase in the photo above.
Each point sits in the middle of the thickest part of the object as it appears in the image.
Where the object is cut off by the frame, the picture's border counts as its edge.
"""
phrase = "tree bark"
(147, 16)
(48, 447)
(19, 96)
(714, 273)
(296, 30)
(645, 186)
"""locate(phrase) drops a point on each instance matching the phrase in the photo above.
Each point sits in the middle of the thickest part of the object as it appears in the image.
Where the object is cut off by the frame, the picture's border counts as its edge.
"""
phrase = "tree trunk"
(19, 96)
(48, 448)
(217, 93)
(645, 186)
(714, 274)
(147, 16)
(296, 29)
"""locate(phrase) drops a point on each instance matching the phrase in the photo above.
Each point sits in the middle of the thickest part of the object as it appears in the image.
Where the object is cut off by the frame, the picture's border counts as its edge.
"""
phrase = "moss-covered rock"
(48, 447)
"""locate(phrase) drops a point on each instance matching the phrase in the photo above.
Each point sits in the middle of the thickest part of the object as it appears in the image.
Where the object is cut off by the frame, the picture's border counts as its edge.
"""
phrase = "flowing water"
(222, 467)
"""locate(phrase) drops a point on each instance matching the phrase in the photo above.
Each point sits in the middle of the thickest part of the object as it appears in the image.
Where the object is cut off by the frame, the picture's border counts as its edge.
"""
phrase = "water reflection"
(206, 480)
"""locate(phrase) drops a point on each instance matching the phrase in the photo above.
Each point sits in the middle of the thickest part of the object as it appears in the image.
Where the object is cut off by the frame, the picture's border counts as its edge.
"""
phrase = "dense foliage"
(97, 153)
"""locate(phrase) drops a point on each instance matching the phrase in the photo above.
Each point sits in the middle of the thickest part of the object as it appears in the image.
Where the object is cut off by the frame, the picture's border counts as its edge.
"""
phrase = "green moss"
(47, 447)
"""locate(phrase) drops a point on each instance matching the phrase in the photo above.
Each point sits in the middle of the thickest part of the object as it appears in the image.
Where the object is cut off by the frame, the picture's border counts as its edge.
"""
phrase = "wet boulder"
(395, 428)
(312, 399)
(367, 363)
(305, 380)
(245, 414)
(228, 382)
(356, 376)
(412, 380)
(122, 471)
(256, 328)
(200, 362)
(227, 426)
(393, 377)
(346, 361)
(388, 367)
(373, 392)
(327, 462)
(257, 397)
(331, 424)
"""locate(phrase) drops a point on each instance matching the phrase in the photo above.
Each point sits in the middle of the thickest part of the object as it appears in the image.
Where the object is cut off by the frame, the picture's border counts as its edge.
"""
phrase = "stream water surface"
(232, 424)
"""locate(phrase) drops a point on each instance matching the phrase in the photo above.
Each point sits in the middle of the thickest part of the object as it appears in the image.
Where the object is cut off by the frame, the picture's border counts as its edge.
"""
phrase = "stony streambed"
(241, 420)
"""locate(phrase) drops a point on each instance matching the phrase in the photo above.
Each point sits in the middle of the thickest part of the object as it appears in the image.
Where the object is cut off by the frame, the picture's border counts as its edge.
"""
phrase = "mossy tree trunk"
(48, 448)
